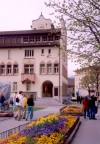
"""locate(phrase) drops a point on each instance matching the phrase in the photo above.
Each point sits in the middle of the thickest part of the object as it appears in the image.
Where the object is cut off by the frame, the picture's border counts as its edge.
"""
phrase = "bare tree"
(90, 78)
(83, 25)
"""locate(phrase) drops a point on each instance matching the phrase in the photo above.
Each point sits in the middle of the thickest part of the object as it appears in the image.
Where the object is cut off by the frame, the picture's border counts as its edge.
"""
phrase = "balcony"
(27, 78)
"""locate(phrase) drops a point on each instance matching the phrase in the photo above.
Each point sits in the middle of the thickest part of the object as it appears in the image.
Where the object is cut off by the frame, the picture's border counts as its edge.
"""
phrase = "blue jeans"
(1, 106)
(14, 106)
(86, 113)
(92, 109)
(29, 113)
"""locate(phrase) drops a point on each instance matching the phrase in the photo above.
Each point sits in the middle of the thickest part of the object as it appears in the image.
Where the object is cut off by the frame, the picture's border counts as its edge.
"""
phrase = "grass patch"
(35, 108)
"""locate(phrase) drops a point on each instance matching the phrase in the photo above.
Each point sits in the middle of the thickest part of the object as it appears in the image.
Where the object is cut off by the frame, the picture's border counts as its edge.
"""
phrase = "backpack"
(17, 99)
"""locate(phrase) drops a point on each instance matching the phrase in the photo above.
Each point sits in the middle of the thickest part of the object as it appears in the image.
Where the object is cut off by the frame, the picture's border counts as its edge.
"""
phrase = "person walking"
(20, 105)
(25, 106)
(30, 103)
(92, 107)
(14, 101)
(85, 103)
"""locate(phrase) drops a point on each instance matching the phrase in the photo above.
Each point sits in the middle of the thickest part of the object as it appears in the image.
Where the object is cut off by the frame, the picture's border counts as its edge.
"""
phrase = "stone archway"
(47, 89)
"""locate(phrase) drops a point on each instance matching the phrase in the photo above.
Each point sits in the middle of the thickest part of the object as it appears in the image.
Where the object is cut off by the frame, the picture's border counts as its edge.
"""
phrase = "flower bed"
(72, 110)
(6, 113)
(51, 129)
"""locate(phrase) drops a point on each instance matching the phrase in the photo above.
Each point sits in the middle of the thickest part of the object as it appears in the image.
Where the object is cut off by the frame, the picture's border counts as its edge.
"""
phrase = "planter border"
(67, 138)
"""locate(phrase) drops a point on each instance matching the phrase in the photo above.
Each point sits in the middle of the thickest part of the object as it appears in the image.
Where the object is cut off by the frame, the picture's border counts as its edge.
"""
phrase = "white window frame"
(15, 69)
(9, 69)
(56, 68)
(31, 39)
(29, 53)
(42, 68)
(25, 39)
(44, 38)
(15, 86)
(42, 51)
(49, 68)
(38, 38)
(29, 69)
(28, 86)
(9, 54)
(3, 69)
(49, 52)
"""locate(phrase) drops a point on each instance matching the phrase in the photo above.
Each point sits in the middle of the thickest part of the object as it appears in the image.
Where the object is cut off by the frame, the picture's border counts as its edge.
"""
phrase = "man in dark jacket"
(93, 107)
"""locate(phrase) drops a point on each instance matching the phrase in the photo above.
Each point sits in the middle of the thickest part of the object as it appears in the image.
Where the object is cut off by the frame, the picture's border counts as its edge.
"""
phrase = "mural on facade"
(5, 87)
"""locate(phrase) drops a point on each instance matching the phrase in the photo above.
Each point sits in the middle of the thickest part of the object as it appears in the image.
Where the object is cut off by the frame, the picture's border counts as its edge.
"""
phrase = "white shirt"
(20, 103)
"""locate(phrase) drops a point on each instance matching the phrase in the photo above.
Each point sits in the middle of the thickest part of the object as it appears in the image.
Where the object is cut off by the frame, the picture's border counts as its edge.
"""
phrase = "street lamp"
(97, 85)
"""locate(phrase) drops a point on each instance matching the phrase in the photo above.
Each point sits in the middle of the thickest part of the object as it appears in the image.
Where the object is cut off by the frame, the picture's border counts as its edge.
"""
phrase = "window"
(50, 38)
(1, 40)
(37, 38)
(55, 91)
(31, 39)
(29, 53)
(28, 86)
(29, 69)
(9, 69)
(42, 68)
(14, 86)
(57, 37)
(25, 39)
(2, 69)
(15, 69)
(56, 68)
(49, 68)
(44, 38)
(49, 51)
(42, 51)
(9, 54)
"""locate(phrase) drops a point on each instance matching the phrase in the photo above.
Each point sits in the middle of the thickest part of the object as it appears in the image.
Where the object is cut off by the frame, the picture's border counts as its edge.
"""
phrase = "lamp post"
(97, 85)
(89, 89)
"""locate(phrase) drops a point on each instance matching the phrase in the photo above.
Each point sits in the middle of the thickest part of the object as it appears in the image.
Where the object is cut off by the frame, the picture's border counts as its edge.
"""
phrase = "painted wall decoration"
(5, 87)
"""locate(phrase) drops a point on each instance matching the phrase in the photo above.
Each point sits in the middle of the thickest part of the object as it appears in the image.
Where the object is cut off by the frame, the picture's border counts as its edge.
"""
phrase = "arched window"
(42, 68)
(15, 68)
(2, 68)
(49, 67)
(9, 68)
(56, 67)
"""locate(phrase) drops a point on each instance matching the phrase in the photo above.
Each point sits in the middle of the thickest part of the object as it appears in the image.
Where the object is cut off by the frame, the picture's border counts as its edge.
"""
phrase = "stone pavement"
(88, 132)
(10, 123)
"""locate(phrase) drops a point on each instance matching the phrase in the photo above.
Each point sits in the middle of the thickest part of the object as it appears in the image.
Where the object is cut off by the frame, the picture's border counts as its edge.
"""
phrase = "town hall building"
(35, 61)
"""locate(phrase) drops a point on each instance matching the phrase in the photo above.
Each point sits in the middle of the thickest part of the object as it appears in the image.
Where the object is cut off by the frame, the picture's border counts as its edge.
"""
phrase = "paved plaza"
(88, 132)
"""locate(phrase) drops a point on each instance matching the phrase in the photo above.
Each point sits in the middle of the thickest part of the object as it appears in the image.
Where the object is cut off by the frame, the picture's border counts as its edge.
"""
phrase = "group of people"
(24, 106)
(89, 107)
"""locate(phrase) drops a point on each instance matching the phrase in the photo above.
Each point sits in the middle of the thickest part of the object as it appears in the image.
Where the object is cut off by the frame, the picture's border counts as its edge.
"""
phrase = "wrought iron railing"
(9, 132)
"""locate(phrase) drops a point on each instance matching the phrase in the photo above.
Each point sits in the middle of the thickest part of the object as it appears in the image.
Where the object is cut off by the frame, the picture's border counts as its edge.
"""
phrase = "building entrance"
(47, 89)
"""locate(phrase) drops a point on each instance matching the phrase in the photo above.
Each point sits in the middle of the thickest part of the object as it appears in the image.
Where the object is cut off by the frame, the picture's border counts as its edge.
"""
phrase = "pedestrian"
(30, 103)
(2, 99)
(24, 106)
(93, 110)
(80, 99)
(19, 104)
(85, 103)
(14, 101)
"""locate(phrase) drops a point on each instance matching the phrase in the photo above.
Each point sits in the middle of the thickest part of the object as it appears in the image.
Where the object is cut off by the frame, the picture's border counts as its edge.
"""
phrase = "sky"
(18, 15)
